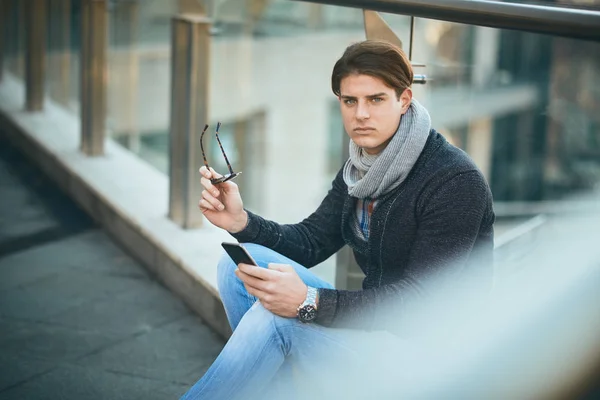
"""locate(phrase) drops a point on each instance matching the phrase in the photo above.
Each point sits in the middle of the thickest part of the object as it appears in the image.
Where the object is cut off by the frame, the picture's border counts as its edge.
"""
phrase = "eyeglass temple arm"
(202, 147)
(222, 150)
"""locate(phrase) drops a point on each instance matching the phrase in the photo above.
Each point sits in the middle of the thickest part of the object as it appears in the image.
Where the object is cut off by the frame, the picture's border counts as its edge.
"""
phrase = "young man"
(410, 205)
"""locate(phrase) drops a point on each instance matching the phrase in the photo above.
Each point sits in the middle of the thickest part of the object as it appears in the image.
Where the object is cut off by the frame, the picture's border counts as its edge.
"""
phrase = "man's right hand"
(222, 204)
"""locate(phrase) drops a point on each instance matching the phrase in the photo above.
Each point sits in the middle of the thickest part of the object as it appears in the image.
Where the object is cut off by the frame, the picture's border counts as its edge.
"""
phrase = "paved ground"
(79, 318)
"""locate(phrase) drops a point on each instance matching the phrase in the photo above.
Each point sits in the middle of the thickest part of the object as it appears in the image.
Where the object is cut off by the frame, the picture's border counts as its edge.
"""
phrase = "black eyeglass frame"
(231, 175)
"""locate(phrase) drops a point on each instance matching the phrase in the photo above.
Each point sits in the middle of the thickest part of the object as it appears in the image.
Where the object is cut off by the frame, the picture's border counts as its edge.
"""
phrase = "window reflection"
(520, 104)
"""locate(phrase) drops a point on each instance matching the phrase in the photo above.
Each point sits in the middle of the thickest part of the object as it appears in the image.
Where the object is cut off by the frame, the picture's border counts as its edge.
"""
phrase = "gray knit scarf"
(370, 176)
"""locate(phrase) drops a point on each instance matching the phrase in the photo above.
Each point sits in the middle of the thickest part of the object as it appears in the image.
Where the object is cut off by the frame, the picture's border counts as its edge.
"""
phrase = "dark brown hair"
(378, 59)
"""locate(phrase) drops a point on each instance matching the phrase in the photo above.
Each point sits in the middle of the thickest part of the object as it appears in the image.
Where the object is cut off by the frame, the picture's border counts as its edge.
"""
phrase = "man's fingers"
(281, 267)
(207, 175)
(255, 292)
(215, 174)
(258, 272)
(205, 172)
(214, 202)
(252, 281)
(209, 186)
(205, 206)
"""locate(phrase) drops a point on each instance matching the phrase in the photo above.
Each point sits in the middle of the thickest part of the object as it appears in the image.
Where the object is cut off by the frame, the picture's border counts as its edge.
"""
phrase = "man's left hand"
(279, 288)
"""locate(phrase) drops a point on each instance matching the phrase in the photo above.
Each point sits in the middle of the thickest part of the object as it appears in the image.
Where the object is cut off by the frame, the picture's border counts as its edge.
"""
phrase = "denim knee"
(265, 322)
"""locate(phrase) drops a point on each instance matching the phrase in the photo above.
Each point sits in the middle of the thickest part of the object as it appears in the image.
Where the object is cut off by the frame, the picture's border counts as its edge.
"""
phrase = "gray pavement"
(79, 318)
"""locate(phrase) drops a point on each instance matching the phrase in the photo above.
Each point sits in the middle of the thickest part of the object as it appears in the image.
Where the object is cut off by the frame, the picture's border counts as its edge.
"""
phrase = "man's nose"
(362, 111)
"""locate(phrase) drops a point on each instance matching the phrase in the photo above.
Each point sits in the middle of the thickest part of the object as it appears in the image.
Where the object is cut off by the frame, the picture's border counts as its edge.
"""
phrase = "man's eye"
(377, 99)
(349, 101)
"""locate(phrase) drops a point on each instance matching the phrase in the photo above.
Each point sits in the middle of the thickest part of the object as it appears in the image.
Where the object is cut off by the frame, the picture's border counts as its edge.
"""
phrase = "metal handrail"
(558, 21)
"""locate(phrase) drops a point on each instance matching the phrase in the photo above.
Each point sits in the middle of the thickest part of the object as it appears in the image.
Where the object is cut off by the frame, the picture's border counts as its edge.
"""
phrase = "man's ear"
(405, 99)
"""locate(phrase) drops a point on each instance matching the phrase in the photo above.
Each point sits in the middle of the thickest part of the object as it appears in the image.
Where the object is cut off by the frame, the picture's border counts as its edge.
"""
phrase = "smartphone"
(238, 254)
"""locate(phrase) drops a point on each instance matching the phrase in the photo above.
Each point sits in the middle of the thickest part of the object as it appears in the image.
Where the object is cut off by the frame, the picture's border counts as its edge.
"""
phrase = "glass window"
(521, 104)
(276, 58)
(62, 52)
(14, 50)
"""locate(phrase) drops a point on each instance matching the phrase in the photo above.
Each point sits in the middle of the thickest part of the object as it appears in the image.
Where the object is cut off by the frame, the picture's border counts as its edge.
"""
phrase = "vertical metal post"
(190, 71)
(94, 18)
(59, 52)
(412, 38)
(35, 54)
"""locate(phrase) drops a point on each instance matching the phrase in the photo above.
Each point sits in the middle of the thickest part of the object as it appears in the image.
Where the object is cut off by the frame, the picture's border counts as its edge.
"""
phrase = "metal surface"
(419, 78)
(189, 113)
(377, 29)
(559, 21)
(94, 18)
(59, 55)
(412, 38)
(35, 54)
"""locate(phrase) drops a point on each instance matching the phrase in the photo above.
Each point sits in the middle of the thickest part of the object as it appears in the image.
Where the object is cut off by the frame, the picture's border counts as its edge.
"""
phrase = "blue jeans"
(265, 351)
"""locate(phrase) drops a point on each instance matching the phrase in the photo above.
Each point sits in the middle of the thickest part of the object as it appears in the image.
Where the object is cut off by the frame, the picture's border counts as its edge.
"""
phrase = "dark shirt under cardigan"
(441, 215)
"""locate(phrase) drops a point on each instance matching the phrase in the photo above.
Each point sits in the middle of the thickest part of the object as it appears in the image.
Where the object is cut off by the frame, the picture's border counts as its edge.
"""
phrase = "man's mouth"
(363, 130)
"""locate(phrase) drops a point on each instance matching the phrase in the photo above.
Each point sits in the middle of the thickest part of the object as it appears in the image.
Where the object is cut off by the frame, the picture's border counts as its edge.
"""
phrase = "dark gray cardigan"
(439, 218)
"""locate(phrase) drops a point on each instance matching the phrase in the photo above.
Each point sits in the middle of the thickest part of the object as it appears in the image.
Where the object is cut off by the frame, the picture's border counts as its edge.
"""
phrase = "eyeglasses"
(231, 174)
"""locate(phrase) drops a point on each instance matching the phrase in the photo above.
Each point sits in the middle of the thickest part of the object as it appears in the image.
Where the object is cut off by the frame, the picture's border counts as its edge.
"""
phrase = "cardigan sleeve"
(309, 242)
(449, 223)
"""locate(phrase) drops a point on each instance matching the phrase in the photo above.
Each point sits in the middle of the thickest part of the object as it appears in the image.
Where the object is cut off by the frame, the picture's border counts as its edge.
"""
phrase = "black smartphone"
(238, 254)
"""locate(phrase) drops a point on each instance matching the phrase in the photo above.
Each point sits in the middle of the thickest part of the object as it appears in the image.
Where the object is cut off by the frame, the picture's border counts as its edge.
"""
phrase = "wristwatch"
(307, 311)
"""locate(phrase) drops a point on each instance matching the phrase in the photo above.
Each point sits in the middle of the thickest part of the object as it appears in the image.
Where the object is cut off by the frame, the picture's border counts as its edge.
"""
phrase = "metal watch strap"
(311, 297)
(306, 311)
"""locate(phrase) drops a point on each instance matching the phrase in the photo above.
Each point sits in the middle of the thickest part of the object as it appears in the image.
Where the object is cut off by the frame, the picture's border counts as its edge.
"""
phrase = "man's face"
(371, 111)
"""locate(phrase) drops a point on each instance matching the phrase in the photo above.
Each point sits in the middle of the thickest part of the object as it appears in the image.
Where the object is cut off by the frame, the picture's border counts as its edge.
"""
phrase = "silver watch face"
(307, 313)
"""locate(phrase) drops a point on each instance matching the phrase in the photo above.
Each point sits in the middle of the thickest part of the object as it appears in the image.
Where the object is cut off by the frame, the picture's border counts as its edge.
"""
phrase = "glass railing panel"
(139, 77)
(501, 95)
(270, 86)
(521, 104)
(271, 73)
(62, 53)
(14, 40)
(280, 18)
